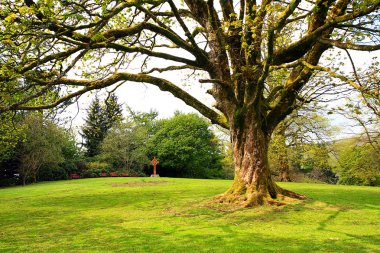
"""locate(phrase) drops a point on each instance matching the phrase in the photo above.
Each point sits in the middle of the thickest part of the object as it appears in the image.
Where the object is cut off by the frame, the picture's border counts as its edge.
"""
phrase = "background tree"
(43, 146)
(125, 147)
(71, 155)
(143, 119)
(278, 154)
(358, 162)
(357, 156)
(186, 147)
(10, 134)
(302, 131)
(239, 45)
(92, 131)
(100, 118)
(113, 111)
(314, 162)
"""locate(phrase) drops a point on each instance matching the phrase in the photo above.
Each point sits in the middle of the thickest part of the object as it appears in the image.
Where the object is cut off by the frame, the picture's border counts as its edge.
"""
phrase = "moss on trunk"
(253, 184)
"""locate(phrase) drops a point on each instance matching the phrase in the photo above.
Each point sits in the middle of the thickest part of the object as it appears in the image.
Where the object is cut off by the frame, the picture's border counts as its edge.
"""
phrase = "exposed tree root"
(244, 195)
(290, 194)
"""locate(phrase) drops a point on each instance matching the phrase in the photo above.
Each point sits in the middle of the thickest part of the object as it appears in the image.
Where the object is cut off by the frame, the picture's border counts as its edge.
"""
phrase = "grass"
(175, 215)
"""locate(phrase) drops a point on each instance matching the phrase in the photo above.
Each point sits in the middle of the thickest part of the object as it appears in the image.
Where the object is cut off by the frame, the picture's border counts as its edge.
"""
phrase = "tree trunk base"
(243, 195)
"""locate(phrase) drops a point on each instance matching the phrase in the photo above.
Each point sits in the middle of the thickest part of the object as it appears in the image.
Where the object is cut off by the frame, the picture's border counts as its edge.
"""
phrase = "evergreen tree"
(112, 111)
(100, 118)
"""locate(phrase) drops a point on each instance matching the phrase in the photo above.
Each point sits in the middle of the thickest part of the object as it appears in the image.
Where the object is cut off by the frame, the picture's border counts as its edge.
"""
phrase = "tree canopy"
(48, 42)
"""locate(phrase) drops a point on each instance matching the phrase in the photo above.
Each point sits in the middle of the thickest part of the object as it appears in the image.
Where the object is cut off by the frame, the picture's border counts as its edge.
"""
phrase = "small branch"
(336, 75)
(213, 81)
(343, 45)
(170, 68)
(353, 67)
(188, 34)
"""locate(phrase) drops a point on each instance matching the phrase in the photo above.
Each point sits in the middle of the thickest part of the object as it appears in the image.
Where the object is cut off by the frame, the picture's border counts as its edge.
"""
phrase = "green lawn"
(175, 215)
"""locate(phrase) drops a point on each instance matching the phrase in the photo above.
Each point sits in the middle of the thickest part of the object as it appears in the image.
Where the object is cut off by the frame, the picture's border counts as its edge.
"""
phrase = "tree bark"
(283, 156)
(253, 184)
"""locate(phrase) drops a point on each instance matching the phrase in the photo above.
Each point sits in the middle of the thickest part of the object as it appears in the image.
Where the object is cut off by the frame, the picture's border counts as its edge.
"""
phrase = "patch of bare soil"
(138, 183)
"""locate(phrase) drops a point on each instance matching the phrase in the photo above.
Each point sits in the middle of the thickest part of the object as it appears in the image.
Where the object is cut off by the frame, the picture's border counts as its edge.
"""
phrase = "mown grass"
(175, 215)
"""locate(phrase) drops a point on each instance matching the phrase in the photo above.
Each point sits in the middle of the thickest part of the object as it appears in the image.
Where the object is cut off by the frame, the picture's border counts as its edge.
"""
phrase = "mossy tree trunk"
(253, 184)
(283, 162)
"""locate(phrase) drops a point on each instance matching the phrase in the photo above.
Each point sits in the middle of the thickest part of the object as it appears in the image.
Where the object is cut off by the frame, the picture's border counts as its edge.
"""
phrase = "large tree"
(80, 46)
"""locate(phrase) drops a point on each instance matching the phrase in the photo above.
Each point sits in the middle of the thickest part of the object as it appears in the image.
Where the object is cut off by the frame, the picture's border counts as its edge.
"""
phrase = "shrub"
(52, 173)
(94, 169)
(99, 165)
(91, 173)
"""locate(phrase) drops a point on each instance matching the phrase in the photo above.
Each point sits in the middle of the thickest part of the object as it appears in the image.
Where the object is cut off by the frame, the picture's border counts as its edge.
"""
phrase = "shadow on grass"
(180, 240)
(175, 218)
(164, 236)
(361, 197)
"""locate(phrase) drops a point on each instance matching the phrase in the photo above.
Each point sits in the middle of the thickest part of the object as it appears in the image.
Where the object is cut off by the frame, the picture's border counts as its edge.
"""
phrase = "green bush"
(186, 147)
(95, 168)
(133, 172)
(103, 166)
(69, 167)
(91, 173)
(52, 173)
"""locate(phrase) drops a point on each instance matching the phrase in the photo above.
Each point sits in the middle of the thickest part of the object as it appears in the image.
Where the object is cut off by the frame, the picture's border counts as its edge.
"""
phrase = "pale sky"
(143, 97)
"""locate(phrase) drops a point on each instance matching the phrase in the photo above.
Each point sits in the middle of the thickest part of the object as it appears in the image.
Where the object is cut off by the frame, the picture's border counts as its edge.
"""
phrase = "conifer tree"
(112, 111)
(100, 118)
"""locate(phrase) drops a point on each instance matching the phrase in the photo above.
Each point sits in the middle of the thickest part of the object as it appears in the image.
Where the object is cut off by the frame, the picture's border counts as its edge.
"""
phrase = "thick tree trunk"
(253, 184)
(283, 156)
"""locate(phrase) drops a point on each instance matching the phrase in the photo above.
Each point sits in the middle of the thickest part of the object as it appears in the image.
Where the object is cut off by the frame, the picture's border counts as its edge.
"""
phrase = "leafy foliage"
(125, 146)
(358, 163)
(11, 134)
(43, 146)
(185, 146)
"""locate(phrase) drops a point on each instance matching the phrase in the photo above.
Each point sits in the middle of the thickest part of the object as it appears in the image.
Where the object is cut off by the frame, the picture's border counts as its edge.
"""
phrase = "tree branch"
(162, 84)
(336, 75)
(342, 45)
